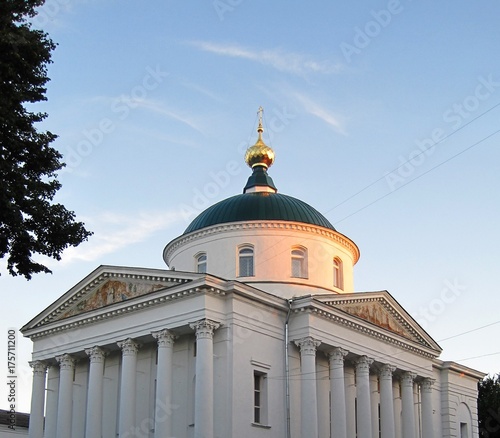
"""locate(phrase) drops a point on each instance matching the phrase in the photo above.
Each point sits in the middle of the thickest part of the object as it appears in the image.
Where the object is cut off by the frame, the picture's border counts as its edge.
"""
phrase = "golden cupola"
(259, 154)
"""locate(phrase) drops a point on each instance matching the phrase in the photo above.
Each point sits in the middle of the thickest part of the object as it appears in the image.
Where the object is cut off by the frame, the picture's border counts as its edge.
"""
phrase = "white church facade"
(254, 331)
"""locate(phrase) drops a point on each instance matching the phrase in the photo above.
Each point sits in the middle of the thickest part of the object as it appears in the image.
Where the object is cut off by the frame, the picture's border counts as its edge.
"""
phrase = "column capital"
(96, 354)
(363, 363)
(337, 354)
(426, 384)
(165, 338)
(308, 345)
(39, 367)
(66, 362)
(407, 378)
(204, 328)
(386, 371)
(129, 347)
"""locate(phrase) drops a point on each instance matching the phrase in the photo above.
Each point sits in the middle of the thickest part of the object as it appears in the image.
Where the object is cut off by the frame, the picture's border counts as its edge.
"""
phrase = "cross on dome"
(259, 154)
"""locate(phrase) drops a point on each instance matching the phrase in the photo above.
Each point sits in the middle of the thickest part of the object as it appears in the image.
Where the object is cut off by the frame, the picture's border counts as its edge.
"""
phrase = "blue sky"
(383, 116)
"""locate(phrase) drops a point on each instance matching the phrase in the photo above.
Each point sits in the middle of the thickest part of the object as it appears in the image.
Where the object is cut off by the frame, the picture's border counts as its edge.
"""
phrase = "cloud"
(161, 109)
(319, 111)
(295, 63)
(202, 90)
(134, 103)
(113, 232)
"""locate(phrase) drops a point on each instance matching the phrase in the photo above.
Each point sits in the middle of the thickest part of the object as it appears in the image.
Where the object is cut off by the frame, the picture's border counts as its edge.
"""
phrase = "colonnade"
(352, 414)
(204, 331)
(352, 405)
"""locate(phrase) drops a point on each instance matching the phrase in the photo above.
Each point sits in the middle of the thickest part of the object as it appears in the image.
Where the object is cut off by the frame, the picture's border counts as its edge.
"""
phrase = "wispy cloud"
(320, 111)
(202, 90)
(132, 104)
(113, 232)
(289, 62)
(161, 109)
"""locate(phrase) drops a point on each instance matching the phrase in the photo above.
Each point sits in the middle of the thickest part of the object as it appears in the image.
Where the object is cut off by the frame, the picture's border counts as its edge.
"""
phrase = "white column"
(204, 386)
(164, 368)
(308, 399)
(127, 388)
(338, 417)
(374, 401)
(407, 404)
(37, 399)
(93, 423)
(416, 408)
(387, 402)
(51, 402)
(350, 400)
(427, 411)
(396, 390)
(364, 417)
(65, 402)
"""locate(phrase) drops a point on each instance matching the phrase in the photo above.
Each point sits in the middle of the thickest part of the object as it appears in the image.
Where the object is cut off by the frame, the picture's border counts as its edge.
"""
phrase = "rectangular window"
(299, 263)
(257, 406)
(259, 398)
(464, 430)
(201, 264)
(246, 266)
(246, 262)
(296, 268)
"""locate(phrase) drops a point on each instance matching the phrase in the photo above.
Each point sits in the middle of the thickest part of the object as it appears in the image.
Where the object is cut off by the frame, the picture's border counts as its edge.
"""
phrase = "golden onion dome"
(259, 154)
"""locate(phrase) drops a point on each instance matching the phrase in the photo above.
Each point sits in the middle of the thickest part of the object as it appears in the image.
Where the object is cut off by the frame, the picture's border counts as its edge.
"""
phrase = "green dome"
(259, 206)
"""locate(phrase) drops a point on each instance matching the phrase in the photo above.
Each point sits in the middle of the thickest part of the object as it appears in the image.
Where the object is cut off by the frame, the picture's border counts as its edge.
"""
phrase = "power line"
(417, 155)
(420, 176)
(477, 357)
(469, 331)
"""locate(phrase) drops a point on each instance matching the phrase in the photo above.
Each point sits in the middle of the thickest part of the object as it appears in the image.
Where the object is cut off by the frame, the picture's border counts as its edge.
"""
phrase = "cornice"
(262, 225)
(118, 309)
(340, 299)
(349, 323)
(66, 305)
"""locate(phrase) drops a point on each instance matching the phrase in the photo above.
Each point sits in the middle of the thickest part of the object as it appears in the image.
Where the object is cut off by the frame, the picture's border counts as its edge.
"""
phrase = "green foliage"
(30, 223)
(489, 407)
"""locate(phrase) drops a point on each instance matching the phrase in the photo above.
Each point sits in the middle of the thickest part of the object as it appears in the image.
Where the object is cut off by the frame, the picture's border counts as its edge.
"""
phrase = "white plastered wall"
(272, 243)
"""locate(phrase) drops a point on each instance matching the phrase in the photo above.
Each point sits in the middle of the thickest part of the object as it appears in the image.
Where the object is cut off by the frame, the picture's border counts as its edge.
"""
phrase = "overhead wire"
(413, 157)
(420, 176)
(469, 331)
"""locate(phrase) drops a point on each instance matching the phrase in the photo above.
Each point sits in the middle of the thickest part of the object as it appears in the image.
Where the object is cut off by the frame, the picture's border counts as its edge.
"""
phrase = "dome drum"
(288, 245)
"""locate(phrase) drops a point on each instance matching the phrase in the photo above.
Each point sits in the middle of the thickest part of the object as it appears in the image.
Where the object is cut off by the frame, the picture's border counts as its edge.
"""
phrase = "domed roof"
(260, 200)
(259, 206)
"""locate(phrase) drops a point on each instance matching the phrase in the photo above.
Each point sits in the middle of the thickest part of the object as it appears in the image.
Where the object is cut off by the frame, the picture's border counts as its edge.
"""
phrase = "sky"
(384, 116)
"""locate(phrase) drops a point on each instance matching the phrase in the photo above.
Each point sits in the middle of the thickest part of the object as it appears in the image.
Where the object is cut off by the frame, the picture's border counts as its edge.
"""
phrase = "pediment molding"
(109, 288)
(423, 350)
(380, 312)
(161, 297)
(377, 315)
(106, 289)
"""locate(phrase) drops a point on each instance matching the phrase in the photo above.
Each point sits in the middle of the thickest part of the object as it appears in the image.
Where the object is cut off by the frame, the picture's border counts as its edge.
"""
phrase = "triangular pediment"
(383, 311)
(108, 286)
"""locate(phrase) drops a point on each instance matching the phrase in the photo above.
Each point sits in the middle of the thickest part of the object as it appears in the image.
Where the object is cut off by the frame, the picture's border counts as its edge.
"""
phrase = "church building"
(252, 330)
